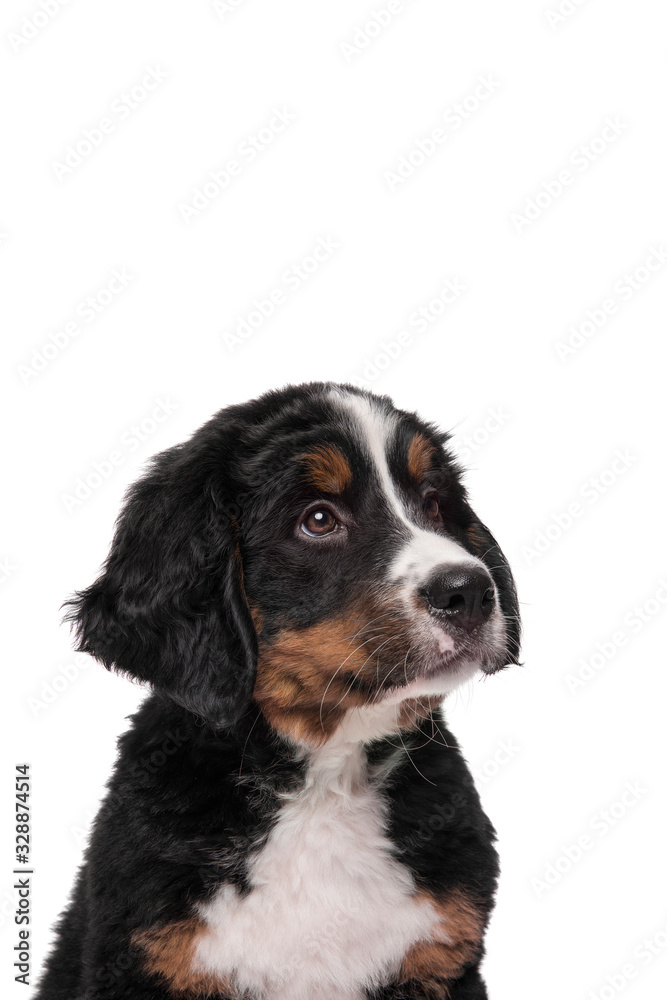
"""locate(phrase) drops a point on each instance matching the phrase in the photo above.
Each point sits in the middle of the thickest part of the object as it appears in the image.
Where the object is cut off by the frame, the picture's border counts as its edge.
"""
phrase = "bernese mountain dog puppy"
(301, 584)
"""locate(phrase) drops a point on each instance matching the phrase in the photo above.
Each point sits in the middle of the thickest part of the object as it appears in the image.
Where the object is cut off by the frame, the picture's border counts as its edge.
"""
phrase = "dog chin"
(438, 680)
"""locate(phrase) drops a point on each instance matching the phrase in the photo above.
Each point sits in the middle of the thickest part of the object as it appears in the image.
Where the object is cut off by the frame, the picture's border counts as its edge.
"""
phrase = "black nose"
(465, 595)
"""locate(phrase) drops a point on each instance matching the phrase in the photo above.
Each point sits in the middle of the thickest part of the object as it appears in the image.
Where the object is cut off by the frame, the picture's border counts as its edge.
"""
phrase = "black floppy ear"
(169, 607)
(487, 549)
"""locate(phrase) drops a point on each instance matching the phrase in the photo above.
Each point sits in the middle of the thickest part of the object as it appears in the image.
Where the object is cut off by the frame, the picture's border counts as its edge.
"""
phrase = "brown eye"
(319, 522)
(432, 508)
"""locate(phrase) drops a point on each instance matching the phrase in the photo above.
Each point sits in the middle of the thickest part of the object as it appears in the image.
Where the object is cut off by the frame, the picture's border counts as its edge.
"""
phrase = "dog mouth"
(412, 654)
(436, 682)
(447, 660)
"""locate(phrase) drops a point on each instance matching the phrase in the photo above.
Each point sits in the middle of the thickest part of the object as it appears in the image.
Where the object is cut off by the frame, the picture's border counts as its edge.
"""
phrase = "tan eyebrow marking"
(328, 469)
(420, 455)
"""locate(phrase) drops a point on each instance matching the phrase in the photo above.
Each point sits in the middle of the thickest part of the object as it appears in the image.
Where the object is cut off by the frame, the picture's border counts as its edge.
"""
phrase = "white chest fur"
(331, 909)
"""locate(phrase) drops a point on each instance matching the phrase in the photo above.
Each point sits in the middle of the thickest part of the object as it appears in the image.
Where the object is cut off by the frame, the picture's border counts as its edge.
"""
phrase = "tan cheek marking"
(303, 675)
(170, 953)
(296, 676)
(420, 456)
(458, 942)
(328, 469)
(257, 617)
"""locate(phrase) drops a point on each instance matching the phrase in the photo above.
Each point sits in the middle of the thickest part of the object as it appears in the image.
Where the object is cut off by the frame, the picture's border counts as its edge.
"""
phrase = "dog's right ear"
(487, 549)
(169, 607)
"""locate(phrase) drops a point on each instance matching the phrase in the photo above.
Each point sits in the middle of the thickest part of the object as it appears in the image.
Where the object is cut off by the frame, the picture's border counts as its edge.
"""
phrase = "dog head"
(312, 551)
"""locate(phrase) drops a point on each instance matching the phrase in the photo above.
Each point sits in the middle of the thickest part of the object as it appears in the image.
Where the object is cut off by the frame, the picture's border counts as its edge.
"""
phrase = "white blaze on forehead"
(423, 550)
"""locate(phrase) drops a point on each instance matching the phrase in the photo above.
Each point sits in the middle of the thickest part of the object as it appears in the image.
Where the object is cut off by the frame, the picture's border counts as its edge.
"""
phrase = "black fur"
(207, 534)
(169, 607)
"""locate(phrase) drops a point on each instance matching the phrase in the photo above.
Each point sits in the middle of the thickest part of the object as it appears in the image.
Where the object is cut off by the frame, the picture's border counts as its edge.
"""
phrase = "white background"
(538, 426)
